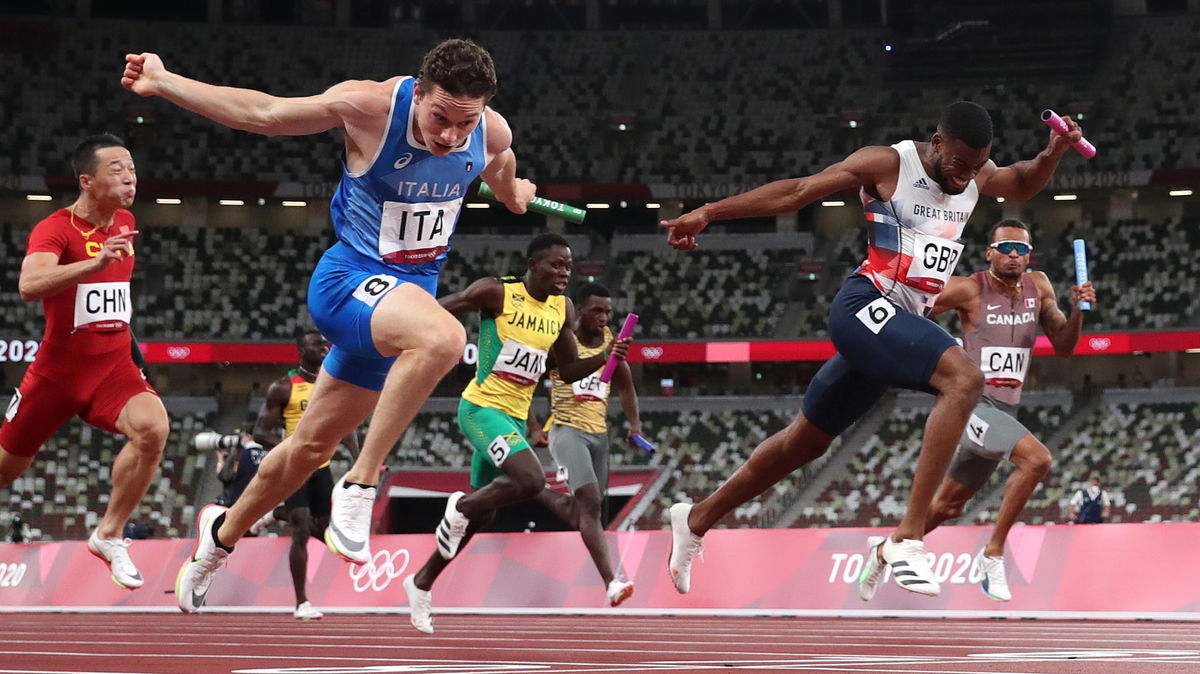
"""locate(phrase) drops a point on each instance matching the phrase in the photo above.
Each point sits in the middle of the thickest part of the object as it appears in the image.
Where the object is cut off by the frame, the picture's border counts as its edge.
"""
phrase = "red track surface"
(349, 644)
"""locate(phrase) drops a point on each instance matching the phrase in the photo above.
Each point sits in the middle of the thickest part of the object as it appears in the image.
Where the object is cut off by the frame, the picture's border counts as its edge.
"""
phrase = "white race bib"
(933, 262)
(102, 306)
(590, 388)
(520, 363)
(410, 233)
(1004, 364)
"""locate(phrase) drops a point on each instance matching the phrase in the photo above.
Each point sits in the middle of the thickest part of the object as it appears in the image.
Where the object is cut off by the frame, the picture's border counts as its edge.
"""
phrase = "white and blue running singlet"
(877, 319)
(913, 240)
(393, 223)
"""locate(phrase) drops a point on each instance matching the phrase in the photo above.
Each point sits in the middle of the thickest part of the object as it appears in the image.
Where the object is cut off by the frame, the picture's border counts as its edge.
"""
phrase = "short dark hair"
(310, 331)
(968, 122)
(590, 290)
(83, 157)
(544, 242)
(1012, 223)
(461, 68)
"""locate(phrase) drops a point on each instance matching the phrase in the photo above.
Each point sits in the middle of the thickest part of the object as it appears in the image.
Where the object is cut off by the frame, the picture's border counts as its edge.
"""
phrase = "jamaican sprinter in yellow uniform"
(307, 509)
(579, 434)
(526, 320)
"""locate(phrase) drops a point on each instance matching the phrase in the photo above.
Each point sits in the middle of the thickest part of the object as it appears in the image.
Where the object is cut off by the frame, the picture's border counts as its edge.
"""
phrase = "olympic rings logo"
(652, 352)
(1100, 343)
(379, 571)
(179, 352)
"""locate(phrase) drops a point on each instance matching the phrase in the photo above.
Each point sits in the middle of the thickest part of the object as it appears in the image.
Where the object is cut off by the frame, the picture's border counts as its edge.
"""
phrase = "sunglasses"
(1007, 247)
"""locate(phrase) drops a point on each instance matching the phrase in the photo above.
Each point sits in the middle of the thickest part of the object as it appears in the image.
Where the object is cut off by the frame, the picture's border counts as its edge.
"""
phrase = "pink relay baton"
(1055, 122)
(626, 331)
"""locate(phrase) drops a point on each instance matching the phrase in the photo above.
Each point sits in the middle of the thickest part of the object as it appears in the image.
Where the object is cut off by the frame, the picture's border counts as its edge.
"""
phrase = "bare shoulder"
(877, 159)
(875, 168)
(966, 286)
(989, 169)
(1042, 282)
(280, 387)
(499, 134)
(364, 97)
(961, 293)
(486, 291)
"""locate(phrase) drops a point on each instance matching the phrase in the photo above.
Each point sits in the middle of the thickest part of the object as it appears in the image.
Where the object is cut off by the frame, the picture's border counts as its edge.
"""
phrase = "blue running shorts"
(343, 293)
(879, 346)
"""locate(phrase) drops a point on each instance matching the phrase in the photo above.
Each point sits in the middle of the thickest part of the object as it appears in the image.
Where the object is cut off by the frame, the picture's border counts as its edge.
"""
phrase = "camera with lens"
(212, 440)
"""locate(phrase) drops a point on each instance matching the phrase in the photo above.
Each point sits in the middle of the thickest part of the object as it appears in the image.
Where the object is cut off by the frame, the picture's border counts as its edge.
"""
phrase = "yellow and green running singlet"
(296, 404)
(513, 348)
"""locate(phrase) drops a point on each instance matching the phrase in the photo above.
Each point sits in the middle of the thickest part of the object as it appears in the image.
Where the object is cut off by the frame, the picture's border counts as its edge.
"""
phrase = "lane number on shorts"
(499, 450)
(370, 290)
(977, 429)
(876, 314)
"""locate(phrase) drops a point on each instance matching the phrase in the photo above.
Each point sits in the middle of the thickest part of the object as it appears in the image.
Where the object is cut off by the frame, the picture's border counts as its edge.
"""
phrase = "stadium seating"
(791, 113)
(721, 294)
(878, 478)
(1149, 450)
(65, 492)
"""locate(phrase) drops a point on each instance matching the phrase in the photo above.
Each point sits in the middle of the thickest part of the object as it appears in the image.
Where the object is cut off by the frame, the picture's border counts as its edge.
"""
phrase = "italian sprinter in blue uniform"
(412, 147)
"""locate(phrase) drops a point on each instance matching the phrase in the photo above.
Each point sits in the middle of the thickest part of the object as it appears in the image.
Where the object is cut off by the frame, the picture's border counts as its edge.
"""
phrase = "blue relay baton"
(643, 443)
(1081, 271)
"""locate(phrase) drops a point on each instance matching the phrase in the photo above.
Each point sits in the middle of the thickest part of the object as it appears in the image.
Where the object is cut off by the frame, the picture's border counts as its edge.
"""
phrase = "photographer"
(238, 456)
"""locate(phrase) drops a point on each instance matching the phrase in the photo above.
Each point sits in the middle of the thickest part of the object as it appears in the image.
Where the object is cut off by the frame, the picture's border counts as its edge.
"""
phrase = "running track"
(514, 644)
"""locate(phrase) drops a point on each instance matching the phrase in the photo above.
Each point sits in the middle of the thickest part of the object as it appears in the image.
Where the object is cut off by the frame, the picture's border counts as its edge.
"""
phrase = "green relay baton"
(543, 206)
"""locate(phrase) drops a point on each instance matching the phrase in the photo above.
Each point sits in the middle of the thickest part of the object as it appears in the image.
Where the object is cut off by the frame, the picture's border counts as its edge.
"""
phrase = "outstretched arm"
(340, 106)
(1022, 180)
(866, 166)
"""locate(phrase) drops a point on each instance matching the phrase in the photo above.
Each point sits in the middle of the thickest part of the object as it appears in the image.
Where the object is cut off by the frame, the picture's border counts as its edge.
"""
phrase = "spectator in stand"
(18, 532)
(1090, 505)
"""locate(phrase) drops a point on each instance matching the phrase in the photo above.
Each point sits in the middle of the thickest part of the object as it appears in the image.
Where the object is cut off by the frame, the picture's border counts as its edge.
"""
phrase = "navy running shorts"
(879, 345)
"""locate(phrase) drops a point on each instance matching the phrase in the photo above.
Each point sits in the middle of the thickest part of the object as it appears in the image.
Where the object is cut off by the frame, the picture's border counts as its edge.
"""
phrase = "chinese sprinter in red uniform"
(78, 263)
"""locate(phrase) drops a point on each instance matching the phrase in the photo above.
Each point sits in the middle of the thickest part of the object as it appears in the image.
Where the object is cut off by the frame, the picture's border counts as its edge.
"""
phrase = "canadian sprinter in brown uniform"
(1000, 310)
